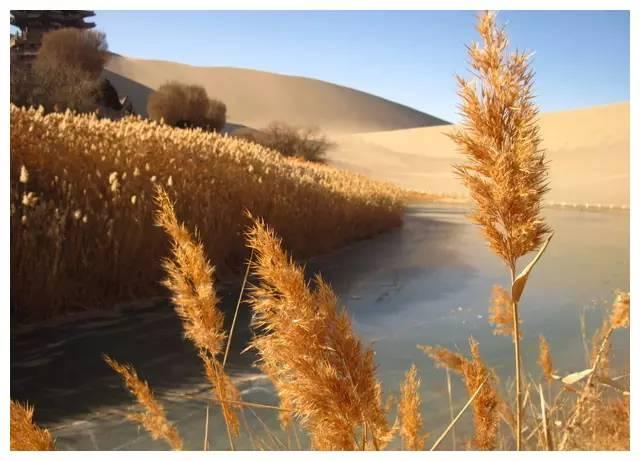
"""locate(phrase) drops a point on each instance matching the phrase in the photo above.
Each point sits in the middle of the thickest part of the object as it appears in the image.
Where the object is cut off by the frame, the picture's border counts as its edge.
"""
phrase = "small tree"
(186, 106)
(65, 73)
(70, 47)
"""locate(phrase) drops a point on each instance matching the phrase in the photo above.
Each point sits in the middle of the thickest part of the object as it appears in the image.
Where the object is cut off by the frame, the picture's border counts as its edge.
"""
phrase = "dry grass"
(505, 170)
(82, 229)
(191, 283)
(324, 376)
(25, 434)
(474, 373)
(544, 359)
(409, 412)
(501, 312)
(307, 346)
(590, 414)
(153, 418)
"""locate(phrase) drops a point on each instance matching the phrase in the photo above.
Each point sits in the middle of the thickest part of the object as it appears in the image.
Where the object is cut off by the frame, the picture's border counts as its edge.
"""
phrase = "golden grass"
(474, 373)
(82, 206)
(545, 360)
(25, 434)
(323, 374)
(307, 346)
(409, 412)
(590, 415)
(153, 418)
(191, 283)
(501, 312)
(505, 170)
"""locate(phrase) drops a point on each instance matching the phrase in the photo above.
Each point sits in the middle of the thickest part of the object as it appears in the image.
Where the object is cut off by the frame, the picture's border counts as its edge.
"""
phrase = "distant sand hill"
(255, 98)
(588, 150)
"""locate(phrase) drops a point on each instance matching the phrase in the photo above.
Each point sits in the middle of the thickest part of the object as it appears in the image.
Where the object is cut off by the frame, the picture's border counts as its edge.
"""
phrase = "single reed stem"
(458, 416)
(516, 352)
(235, 314)
(206, 431)
(449, 390)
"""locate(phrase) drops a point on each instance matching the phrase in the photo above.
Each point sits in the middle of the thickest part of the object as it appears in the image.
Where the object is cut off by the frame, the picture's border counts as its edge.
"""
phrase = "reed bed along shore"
(82, 228)
(326, 378)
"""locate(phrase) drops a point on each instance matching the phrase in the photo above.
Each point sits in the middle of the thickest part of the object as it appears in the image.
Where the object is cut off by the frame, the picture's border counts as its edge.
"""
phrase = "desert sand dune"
(588, 151)
(255, 98)
(588, 148)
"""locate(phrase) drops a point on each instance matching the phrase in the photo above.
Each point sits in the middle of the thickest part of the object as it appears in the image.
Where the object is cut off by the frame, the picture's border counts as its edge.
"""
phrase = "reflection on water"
(426, 283)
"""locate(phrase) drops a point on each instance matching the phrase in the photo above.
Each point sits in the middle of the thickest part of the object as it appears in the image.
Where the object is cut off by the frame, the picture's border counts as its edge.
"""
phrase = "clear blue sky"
(582, 58)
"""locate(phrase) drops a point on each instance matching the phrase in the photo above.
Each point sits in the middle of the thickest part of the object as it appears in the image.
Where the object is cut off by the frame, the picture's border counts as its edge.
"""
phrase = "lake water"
(428, 282)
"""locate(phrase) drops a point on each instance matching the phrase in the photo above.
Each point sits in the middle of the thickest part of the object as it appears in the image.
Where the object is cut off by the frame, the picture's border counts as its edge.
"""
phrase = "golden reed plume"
(544, 358)
(474, 373)
(308, 348)
(409, 408)
(25, 434)
(191, 283)
(505, 170)
(501, 312)
(153, 418)
(619, 317)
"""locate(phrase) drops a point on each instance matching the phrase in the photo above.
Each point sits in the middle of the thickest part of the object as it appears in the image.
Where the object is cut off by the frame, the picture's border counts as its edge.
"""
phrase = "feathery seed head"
(619, 317)
(409, 411)
(153, 418)
(544, 359)
(25, 435)
(505, 170)
(308, 348)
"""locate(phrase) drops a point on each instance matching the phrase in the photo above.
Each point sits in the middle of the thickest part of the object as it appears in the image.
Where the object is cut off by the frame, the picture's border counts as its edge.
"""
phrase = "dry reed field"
(82, 229)
(324, 375)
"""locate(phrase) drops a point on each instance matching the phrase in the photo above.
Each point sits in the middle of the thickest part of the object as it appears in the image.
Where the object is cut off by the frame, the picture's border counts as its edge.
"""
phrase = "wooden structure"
(33, 24)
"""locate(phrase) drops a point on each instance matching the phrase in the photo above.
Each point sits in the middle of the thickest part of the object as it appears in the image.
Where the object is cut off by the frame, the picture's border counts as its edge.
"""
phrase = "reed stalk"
(506, 171)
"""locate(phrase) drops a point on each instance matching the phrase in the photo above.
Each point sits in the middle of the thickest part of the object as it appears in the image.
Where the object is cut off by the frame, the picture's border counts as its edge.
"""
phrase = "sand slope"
(588, 150)
(255, 98)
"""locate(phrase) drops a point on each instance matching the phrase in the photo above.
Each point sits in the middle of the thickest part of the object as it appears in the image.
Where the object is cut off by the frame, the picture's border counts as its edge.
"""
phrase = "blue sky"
(582, 58)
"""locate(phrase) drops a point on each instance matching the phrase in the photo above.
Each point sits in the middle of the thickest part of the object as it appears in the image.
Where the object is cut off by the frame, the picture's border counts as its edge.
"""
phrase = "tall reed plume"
(505, 169)
(190, 279)
(409, 409)
(474, 373)
(25, 434)
(153, 418)
(307, 346)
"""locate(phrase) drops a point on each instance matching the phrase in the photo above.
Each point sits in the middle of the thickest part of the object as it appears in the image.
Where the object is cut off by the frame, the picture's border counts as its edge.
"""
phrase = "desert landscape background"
(293, 264)
(392, 142)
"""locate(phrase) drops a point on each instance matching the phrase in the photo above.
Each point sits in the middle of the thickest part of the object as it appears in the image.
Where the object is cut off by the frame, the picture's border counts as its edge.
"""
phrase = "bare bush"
(65, 73)
(70, 47)
(186, 106)
(306, 143)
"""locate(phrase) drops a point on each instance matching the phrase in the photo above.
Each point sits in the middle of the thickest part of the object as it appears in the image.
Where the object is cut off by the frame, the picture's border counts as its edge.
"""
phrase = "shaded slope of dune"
(256, 98)
(588, 150)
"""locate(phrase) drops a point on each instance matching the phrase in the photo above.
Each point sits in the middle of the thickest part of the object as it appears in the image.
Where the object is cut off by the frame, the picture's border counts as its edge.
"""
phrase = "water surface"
(428, 282)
